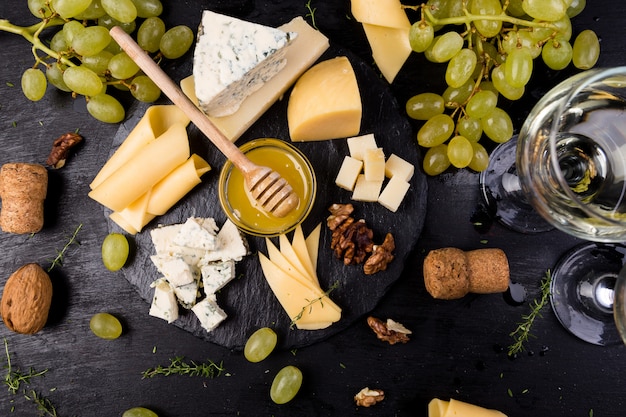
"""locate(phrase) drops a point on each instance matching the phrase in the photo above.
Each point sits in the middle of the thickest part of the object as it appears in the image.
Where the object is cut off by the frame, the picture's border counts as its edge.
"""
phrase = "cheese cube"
(398, 167)
(348, 173)
(209, 313)
(365, 190)
(217, 274)
(394, 193)
(374, 165)
(175, 270)
(359, 144)
(164, 304)
(187, 294)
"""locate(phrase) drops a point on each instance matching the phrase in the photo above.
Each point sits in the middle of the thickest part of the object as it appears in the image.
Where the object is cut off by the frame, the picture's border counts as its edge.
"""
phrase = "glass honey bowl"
(291, 164)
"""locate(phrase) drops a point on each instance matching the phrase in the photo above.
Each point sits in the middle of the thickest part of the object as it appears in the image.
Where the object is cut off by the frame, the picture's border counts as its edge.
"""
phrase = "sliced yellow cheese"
(387, 13)
(313, 244)
(288, 250)
(298, 244)
(136, 214)
(455, 408)
(301, 53)
(390, 48)
(325, 102)
(281, 261)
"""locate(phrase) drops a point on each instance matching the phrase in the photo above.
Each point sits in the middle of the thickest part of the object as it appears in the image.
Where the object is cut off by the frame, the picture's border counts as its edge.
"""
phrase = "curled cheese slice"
(452, 408)
(388, 13)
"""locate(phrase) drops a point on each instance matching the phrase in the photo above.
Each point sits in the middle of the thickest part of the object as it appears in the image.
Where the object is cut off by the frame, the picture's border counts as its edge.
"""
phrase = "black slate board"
(248, 300)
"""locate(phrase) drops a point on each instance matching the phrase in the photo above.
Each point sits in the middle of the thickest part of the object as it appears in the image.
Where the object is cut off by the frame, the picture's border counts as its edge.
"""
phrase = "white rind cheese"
(233, 58)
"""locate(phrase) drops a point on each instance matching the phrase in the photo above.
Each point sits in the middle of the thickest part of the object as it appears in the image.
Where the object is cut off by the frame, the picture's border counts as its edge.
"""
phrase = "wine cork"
(23, 189)
(451, 273)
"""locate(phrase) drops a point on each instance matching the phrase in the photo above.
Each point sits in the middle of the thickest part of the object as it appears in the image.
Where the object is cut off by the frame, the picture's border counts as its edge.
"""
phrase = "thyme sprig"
(44, 405)
(522, 333)
(58, 261)
(177, 366)
(14, 378)
(311, 13)
(310, 304)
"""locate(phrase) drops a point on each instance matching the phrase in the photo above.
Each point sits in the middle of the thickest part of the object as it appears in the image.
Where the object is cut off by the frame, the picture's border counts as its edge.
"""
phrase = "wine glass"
(570, 169)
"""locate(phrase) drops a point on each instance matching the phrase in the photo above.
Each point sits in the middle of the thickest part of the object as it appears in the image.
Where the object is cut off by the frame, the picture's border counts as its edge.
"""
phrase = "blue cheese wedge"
(209, 313)
(197, 233)
(187, 294)
(175, 270)
(232, 59)
(164, 305)
(217, 274)
(231, 245)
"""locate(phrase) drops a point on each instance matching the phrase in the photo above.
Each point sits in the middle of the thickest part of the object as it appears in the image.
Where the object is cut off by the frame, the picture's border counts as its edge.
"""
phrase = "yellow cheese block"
(325, 102)
(393, 193)
(390, 48)
(359, 144)
(387, 13)
(348, 173)
(365, 190)
(455, 408)
(374, 164)
(301, 53)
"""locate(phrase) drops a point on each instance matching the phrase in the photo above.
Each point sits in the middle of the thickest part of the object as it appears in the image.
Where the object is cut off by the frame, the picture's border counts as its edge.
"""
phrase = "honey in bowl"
(242, 209)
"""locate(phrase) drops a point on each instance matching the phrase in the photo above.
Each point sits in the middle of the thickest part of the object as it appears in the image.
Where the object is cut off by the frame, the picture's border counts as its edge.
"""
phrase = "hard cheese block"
(234, 58)
(300, 54)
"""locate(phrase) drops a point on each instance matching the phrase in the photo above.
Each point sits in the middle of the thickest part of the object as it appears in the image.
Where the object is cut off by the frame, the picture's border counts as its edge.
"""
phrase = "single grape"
(176, 42)
(144, 89)
(139, 412)
(148, 8)
(39, 8)
(586, 50)
(70, 29)
(444, 47)
(34, 84)
(470, 128)
(488, 86)
(98, 63)
(122, 10)
(454, 97)
(460, 151)
(82, 80)
(515, 8)
(54, 74)
(286, 384)
(260, 344)
(69, 8)
(91, 40)
(115, 250)
(105, 108)
(498, 78)
(550, 10)
(122, 67)
(576, 7)
(487, 28)
(59, 43)
(105, 326)
(424, 106)
(480, 160)
(481, 104)
(498, 125)
(108, 22)
(557, 54)
(94, 12)
(519, 67)
(150, 33)
(521, 39)
(421, 35)
(461, 67)
(436, 160)
(435, 131)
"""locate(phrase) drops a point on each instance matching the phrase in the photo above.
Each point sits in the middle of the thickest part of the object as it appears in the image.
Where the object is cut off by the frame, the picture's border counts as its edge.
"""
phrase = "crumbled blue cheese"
(197, 234)
(232, 59)
(175, 270)
(187, 294)
(209, 313)
(164, 305)
(231, 245)
(217, 274)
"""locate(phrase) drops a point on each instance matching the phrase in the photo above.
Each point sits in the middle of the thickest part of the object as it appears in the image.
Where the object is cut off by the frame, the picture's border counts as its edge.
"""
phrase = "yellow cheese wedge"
(387, 13)
(313, 244)
(301, 53)
(325, 102)
(290, 253)
(390, 48)
(281, 261)
(455, 408)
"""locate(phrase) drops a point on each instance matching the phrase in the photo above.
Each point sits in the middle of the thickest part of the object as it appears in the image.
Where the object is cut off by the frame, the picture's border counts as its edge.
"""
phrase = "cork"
(23, 190)
(451, 273)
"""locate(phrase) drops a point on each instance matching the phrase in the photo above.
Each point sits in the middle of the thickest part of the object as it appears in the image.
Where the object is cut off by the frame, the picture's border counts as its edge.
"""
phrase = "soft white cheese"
(164, 305)
(232, 59)
(209, 313)
(217, 274)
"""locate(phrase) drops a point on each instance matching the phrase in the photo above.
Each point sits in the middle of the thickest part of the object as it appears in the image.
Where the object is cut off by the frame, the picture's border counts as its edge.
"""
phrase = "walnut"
(338, 214)
(61, 149)
(368, 397)
(391, 331)
(381, 256)
(352, 241)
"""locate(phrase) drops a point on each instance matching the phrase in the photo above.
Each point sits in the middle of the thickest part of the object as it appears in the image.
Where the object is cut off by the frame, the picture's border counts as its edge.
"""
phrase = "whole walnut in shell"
(26, 299)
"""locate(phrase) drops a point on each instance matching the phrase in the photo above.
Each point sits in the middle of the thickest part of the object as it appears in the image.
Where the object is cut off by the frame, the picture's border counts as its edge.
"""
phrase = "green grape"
(98, 63)
(69, 8)
(470, 128)
(548, 10)
(260, 344)
(91, 40)
(122, 67)
(58, 43)
(176, 42)
(144, 89)
(499, 81)
(481, 104)
(557, 54)
(424, 106)
(286, 384)
(54, 74)
(421, 36)
(515, 8)
(444, 47)
(139, 412)
(39, 8)
(436, 160)
(487, 28)
(122, 10)
(497, 125)
(521, 39)
(563, 28)
(34, 84)
(150, 33)
(105, 326)
(488, 86)
(460, 151)
(94, 12)
(586, 50)
(461, 67)
(519, 67)
(115, 249)
(435, 131)
(108, 22)
(148, 8)
(480, 159)
(454, 97)
(455, 8)
(71, 29)
(113, 48)
(105, 108)
(576, 7)
(439, 9)
(82, 80)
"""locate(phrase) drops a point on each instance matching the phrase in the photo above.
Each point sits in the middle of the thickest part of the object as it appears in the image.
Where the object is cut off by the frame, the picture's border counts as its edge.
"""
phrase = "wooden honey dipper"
(268, 188)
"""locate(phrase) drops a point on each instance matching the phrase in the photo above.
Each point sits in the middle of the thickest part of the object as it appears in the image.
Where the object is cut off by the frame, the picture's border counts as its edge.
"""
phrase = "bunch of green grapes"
(489, 53)
(82, 58)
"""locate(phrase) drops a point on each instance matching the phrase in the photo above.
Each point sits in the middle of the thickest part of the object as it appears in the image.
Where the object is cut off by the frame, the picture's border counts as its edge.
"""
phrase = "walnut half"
(391, 331)
(381, 256)
(61, 149)
(368, 397)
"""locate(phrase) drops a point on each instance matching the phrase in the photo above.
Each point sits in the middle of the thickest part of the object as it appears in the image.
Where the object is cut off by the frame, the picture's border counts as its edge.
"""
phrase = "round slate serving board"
(248, 300)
